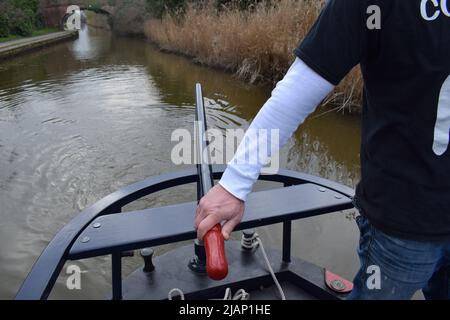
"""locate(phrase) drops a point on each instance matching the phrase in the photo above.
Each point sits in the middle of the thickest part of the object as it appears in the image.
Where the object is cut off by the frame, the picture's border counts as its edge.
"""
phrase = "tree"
(19, 17)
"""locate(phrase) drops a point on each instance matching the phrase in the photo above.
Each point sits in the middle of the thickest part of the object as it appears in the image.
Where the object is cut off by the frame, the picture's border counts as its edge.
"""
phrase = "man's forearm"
(293, 99)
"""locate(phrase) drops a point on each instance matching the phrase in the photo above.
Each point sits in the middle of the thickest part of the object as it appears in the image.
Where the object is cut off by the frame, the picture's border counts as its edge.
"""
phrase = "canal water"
(81, 119)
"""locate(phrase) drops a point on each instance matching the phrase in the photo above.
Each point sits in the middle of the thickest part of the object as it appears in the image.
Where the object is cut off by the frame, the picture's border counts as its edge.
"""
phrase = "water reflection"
(81, 119)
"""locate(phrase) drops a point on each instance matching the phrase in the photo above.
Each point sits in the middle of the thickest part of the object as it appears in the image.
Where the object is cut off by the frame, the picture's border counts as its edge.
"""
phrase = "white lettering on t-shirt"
(439, 7)
(445, 7)
(442, 128)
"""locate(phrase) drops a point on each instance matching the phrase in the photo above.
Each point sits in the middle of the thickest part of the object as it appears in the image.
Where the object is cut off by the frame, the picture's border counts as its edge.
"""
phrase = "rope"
(253, 242)
(241, 294)
(180, 292)
(274, 277)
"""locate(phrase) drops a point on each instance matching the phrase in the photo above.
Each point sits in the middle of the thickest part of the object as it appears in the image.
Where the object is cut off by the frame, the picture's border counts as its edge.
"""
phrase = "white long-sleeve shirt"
(292, 101)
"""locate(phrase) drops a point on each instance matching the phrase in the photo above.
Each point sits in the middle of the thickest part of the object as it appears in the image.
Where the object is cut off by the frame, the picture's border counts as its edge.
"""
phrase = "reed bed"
(256, 44)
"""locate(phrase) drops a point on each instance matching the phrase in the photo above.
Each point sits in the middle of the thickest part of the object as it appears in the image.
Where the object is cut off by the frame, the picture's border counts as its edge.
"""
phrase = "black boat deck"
(299, 279)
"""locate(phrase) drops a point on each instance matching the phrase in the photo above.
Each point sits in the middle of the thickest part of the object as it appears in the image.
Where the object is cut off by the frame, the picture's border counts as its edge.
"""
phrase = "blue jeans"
(394, 268)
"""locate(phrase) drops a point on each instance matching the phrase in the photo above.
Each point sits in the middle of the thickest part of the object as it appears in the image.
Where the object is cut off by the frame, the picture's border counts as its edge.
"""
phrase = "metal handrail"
(46, 269)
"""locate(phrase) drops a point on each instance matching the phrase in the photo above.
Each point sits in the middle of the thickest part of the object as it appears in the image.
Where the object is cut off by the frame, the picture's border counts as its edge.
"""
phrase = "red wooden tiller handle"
(216, 260)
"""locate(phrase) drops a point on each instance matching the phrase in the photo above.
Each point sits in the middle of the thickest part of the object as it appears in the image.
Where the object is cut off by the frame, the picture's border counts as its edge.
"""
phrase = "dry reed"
(256, 44)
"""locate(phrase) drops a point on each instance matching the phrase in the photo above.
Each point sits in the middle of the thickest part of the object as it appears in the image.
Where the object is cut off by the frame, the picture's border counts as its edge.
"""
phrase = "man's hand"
(217, 206)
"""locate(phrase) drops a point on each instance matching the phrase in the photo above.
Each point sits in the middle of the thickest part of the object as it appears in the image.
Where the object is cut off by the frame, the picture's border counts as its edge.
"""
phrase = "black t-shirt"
(405, 152)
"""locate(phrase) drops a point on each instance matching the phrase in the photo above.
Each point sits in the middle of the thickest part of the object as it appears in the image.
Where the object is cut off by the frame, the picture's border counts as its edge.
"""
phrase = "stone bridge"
(55, 10)
(126, 16)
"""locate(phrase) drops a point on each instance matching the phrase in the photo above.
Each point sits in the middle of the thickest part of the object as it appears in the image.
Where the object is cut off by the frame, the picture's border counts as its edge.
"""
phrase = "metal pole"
(116, 261)
(287, 233)
(287, 237)
(204, 168)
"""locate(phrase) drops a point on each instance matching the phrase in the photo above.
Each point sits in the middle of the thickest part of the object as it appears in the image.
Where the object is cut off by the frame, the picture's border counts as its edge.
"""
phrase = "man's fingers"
(207, 224)
(200, 214)
(228, 227)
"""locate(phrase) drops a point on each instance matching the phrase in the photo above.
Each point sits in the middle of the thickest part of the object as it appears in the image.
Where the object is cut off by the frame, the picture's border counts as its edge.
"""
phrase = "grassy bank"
(256, 44)
(34, 33)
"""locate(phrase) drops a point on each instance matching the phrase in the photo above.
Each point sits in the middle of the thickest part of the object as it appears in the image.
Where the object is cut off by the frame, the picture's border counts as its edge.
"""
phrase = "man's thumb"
(228, 228)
